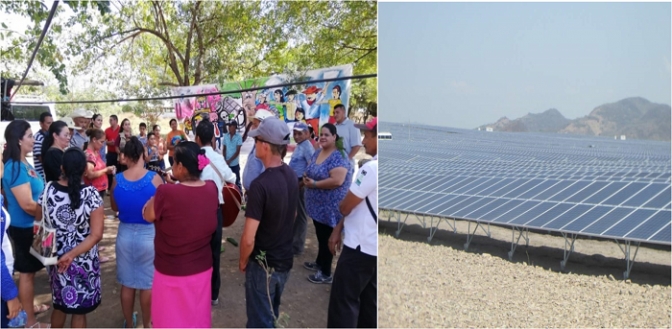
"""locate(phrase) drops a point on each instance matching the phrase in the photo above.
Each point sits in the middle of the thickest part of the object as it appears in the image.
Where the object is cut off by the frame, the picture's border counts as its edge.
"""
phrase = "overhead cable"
(354, 77)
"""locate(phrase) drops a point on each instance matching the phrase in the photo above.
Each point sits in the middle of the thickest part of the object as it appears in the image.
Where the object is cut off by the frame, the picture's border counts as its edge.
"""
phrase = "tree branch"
(343, 45)
(187, 53)
(367, 53)
(201, 53)
(170, 84)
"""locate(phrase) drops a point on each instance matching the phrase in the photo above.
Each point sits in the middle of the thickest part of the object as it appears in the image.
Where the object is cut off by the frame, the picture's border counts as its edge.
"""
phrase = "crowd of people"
(169, 251)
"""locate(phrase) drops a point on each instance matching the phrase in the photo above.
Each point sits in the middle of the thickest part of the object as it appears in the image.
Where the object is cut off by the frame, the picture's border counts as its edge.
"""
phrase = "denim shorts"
(135, 255)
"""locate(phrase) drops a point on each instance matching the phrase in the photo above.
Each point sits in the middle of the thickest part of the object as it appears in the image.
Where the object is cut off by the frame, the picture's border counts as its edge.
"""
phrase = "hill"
(634, 117)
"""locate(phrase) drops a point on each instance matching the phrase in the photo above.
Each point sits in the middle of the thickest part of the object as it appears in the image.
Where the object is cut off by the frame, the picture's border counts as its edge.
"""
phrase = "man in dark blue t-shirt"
(268, 231)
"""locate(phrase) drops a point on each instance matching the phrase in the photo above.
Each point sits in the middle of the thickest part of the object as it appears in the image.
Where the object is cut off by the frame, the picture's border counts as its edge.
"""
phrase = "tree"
(142, 47)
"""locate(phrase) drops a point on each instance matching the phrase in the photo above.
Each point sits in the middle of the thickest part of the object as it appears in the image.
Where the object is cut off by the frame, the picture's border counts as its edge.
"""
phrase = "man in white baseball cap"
(254, 167)
(80, 117)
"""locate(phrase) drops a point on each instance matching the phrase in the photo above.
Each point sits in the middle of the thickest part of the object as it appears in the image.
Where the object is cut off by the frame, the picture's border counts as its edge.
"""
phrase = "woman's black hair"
(55, 128)
(74, 166)
(122, 125)
(155, 126)
(133, 150)
(93, 133)
(13, 134)
(93, 119)
(339, 140)
(187, 154)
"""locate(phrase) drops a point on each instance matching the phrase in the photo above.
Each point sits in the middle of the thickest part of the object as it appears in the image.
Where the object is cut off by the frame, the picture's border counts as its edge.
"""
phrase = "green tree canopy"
(142, 47)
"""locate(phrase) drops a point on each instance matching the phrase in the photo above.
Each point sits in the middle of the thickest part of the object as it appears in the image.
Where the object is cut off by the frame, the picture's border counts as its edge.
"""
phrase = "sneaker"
(312, 266)
(319, 277)
(215, 302)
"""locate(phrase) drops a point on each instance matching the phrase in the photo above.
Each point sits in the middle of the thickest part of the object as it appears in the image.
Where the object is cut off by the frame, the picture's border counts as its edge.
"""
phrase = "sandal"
(41, 308)
(135, 320)
(39, 325)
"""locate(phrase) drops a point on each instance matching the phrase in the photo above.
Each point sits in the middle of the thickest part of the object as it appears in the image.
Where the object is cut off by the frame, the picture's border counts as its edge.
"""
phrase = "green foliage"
(140, 48)
(280, 320)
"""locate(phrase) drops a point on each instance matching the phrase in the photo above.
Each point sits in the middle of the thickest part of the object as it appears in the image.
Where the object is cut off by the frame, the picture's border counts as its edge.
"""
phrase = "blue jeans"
(236, 170)
(258, 309)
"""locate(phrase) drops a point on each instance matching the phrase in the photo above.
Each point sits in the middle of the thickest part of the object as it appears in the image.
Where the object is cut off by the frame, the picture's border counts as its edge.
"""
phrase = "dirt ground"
(305, 303)
(439, 284)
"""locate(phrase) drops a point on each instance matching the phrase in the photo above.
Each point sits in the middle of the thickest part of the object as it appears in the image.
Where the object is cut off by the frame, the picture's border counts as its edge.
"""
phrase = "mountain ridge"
(634, 117)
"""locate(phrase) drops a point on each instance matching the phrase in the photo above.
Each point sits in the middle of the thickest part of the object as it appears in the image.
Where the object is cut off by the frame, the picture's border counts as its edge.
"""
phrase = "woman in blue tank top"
(135, 238)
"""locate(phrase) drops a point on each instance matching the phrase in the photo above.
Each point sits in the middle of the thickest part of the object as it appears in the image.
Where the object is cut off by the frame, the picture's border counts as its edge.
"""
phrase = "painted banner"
(312, 103)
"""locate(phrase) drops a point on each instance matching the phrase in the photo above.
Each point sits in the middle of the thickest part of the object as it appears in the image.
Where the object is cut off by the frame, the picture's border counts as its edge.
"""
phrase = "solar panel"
(567, 183)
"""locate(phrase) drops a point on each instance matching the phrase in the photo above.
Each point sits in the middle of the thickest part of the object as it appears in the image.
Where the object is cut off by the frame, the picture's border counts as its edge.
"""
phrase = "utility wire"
(355, 77)
(37, 47)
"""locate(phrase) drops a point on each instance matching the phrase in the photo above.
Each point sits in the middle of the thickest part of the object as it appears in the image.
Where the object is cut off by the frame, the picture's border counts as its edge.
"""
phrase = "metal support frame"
(432, 229)
(626, 251)
(400, 225)
(522, 233)
(568, 249)
(470, 234)
(488, 231)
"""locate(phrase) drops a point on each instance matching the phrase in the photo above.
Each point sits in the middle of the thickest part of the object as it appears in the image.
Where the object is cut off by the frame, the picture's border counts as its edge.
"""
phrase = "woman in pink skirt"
(183, 261)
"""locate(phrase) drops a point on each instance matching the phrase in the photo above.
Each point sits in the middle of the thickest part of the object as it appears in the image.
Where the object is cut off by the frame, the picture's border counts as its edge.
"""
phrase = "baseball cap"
(272, 130)
(372, 125)
(261, 114)
(300, 126)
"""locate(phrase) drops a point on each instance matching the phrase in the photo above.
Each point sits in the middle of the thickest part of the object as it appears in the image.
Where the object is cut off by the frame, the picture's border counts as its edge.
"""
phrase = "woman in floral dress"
(327, 180)
(75, 211)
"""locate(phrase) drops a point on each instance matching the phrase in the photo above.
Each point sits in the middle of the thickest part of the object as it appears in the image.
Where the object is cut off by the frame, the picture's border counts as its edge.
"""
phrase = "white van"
(28, 112)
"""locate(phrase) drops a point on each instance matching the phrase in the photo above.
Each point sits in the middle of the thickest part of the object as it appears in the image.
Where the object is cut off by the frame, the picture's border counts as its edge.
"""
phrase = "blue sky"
(466, 64)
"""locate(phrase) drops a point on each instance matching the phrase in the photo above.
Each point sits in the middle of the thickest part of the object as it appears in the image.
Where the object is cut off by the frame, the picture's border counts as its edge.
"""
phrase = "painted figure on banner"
(311, 103)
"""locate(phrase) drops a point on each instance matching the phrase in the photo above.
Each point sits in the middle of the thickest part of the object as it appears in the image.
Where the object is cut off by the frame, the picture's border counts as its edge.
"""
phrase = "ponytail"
(74, 166)
(74, 190)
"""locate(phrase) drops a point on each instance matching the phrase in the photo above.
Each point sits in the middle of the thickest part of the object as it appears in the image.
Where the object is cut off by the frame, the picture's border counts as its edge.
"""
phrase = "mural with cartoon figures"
(311, 103)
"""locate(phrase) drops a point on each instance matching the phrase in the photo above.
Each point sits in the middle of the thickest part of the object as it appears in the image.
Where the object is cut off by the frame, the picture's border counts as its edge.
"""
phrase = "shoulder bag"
(44, 241)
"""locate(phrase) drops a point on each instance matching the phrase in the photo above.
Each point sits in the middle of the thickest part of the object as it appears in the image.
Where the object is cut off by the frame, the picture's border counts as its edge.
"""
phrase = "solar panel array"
(593, 186)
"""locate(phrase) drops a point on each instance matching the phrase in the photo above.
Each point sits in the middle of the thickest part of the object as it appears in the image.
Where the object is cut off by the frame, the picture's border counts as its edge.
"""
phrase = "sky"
(463, 65)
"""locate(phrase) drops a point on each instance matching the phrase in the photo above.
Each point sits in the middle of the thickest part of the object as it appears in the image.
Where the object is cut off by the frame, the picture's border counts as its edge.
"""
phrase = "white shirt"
(359, 227)
(209, 173)
(6, 245)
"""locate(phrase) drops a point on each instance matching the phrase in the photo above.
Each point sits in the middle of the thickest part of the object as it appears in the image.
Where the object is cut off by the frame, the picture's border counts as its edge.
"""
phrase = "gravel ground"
(423, 285)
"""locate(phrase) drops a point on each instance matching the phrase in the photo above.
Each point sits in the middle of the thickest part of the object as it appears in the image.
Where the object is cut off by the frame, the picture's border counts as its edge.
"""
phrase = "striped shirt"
(37, 152)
